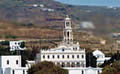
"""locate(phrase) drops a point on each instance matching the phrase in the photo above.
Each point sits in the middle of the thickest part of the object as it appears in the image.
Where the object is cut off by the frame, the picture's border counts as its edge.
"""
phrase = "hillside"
(43, 19)
(50, 14)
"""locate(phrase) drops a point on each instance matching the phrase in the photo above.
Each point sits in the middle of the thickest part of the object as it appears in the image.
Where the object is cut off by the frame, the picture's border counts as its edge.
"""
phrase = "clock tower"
(67, 32)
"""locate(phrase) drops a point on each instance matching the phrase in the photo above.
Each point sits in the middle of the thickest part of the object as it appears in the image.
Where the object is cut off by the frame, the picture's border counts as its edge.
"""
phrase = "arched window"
(72, 56)
(68, 34)
(78, 64)
(16, 61)
(82, 56)
(73, 64)
(82, 64)
(68, 64)
(48, 56)
(23, 71)
(77, 56)
(98, 72)
(13, 72)
(43, 56)
(67, 56)
(63, 49)
(82, 72)
(63, 56)
(53, 56)
(63, 64)
(58, 56)
(8, 62)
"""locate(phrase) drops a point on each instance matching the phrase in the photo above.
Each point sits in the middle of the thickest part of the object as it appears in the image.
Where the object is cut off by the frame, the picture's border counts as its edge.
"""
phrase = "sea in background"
(113, 3)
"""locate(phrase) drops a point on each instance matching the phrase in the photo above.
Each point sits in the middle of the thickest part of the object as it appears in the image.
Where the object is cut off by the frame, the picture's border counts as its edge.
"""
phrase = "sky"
(115, 3)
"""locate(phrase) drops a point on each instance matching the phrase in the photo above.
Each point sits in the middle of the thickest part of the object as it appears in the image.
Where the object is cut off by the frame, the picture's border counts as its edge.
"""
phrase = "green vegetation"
(113, 68)
(115, 57)
(46, 68)
(11, 36)
(26, 54)
(4, 51)
(21, 11)
(4, 43)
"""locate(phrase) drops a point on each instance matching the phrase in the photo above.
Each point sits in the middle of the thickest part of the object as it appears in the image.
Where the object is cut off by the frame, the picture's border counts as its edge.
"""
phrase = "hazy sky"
(92, 2)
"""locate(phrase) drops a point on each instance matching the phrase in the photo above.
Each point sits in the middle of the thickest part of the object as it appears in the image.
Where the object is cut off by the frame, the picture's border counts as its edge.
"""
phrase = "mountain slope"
(50, 14)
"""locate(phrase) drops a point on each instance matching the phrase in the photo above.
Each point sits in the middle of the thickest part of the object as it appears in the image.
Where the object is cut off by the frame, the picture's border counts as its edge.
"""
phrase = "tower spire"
(68, 34)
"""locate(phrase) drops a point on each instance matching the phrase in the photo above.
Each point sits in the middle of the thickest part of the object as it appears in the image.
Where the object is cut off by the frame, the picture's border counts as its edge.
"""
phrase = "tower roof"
(98, 53)
(67, 17)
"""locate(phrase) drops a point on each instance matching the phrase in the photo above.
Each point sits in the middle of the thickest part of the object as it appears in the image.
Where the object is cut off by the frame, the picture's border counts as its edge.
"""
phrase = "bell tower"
(67, 32)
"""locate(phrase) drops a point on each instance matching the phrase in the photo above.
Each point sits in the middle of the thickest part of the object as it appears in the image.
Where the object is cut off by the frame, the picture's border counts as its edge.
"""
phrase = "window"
(78, 64)
(77, 56)
(98, 72)
(67, 23)
(76, 48)
(73, 48)
(48, 56)
(16, 61)
(63, 49)
(8, 62)
(68, 34)
(43, 56)
(63, 64)
(67, 56)
(62, 56)
(68, 64)
(72, 56)
(23, 71)
(82, 64)
(82, 56)
(73, 64)
(53, 56)
(82, 72)
(58, 56)
(13, 72)
(19, 43)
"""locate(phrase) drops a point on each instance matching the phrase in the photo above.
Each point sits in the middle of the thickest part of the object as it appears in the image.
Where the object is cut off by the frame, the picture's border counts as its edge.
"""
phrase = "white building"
(11, 65)
(15, 45)
(30, 63)
(68, 54)
(80, 70)
(100, 57)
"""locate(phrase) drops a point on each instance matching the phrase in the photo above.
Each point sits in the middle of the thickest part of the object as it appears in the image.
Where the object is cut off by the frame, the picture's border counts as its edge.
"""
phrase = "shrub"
(46, 68)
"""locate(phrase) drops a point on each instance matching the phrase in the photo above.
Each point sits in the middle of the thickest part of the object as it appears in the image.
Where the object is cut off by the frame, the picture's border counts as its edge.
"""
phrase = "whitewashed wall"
(12, 61)
(84, 70)
(12, 67)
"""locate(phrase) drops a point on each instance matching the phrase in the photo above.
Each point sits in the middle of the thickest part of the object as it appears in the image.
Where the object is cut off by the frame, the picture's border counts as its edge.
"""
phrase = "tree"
(46, 68)
(90, 60)
(113, 68)
(4, 50)
(4, 43)
(115, 57)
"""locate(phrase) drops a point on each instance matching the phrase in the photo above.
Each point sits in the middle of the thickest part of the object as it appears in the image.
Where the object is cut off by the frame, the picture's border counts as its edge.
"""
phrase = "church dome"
(98, 54)
(67, 18)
